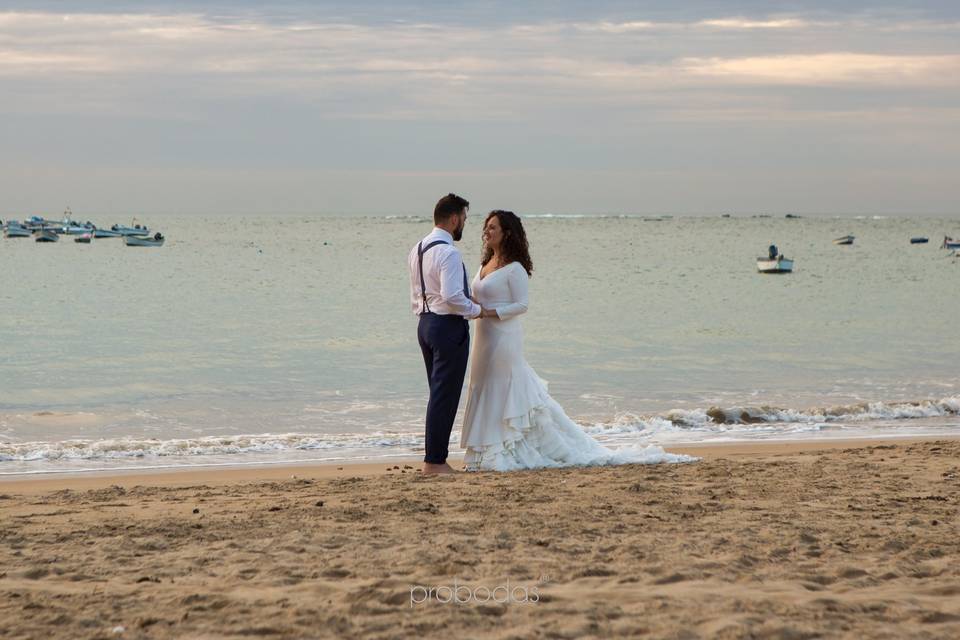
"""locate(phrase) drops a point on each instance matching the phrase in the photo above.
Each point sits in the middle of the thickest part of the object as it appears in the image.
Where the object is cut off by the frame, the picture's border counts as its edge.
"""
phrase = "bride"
(511, 422)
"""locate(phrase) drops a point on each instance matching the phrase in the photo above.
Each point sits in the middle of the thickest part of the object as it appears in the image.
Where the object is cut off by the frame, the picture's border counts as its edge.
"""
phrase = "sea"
(282, 339)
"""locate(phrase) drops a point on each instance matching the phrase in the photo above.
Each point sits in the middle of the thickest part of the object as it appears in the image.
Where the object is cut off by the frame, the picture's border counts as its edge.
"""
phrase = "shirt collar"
(442, 234)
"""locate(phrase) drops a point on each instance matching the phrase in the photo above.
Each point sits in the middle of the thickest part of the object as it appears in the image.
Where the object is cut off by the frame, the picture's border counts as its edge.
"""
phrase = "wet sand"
(800, 540)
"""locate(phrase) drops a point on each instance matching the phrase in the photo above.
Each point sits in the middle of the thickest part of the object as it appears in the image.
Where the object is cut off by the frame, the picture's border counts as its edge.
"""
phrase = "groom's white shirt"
(443, 274)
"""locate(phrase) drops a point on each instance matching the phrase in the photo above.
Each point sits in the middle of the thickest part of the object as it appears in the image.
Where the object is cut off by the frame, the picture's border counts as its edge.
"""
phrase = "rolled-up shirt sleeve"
(519, 283)
(451, 286)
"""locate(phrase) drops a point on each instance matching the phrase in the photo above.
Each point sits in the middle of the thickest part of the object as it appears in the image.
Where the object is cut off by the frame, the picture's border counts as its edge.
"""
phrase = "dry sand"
(852, 540)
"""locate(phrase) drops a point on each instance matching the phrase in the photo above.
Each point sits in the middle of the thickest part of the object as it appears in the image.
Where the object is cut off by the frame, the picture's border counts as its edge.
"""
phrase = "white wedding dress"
(511, 422)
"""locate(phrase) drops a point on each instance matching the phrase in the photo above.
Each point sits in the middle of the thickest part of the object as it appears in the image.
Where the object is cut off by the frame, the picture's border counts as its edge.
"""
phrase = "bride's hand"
(487, 313)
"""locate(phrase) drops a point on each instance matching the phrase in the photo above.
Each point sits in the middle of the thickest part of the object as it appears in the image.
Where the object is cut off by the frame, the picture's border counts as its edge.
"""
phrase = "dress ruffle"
(544, 437)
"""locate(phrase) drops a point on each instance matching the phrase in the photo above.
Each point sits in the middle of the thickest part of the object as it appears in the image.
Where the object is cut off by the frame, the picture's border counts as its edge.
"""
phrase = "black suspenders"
(423, 285)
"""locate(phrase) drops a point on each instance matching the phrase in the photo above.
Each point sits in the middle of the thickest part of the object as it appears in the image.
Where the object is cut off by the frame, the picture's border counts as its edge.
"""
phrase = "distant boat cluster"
(44, 230)
(776, 262)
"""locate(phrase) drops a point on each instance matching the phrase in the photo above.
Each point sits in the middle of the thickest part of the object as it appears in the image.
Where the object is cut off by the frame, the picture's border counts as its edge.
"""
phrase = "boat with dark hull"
(45, 235)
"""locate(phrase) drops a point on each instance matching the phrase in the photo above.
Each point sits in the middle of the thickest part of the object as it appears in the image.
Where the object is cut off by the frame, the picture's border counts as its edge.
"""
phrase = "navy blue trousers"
(445, 343)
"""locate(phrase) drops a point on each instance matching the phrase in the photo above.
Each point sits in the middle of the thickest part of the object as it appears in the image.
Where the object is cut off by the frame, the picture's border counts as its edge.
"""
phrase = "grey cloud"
(488, 94)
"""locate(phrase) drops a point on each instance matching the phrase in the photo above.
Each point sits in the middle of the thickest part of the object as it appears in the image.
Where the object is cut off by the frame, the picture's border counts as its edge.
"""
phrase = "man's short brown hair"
(449, 205)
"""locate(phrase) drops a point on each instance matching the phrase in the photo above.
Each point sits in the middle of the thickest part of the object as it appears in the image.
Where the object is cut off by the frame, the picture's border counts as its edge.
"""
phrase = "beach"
(781, 540)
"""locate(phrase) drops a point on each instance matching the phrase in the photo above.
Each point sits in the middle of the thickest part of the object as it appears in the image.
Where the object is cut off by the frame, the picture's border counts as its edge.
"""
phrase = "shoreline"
(42, 481)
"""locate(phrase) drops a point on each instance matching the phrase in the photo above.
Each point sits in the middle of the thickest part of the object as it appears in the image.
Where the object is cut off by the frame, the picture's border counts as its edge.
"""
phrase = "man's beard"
(458, 233)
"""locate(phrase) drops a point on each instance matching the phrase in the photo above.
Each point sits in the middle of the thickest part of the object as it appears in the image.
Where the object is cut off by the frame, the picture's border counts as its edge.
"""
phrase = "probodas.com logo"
(462, 594)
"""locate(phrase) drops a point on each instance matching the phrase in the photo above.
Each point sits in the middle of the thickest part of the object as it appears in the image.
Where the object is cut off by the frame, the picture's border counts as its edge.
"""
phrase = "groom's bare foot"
(430, 469)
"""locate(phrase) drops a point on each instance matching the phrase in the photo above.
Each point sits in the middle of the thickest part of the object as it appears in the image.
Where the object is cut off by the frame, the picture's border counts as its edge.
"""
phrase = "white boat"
(68, 227)
(950, 243)
(14, 230)
(106, 233)
(777, 265)
(843, 240)
(74, 229)
(85, 238)
(136, 241)
(774, 262)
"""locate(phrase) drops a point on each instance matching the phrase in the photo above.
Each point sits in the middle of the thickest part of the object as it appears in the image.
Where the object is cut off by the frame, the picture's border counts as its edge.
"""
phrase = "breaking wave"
(693, 425)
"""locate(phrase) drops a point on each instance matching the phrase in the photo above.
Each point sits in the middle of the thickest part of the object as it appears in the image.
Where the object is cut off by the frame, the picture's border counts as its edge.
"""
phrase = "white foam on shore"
(729, 424)
(744, 419)
(118, 448)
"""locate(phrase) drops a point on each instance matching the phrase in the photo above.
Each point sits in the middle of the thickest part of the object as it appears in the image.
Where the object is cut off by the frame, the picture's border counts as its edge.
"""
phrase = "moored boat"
(137, 241)
(778, 265)
(15, 230)
(950, 243)
(84, 238)
(774, 262)
(919, 240)
(37, 222)
(76, 229)
(45, 235)
(106, 233)
(843, 240)
(135, 230)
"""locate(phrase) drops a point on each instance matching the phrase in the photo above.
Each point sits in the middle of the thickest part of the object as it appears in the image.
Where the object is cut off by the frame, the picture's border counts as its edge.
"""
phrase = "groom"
(440, 295)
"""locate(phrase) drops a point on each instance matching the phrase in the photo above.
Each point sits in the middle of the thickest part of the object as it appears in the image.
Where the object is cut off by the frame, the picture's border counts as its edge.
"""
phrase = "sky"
(697, 107)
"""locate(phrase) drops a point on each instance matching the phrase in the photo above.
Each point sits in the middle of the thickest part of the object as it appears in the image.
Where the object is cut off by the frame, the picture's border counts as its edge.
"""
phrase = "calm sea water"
(276, 339)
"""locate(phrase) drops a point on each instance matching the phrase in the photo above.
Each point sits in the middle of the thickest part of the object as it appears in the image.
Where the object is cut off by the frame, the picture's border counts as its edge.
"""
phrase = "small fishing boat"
(106, 233)
(778, 265)
(84, 238)
(45, 235)
(70, 228)
(14, 230)
(135, 230)
(919, 240)
(774, 262)
(37, 222)
(137, 241)
(843, 240)
(76, 229)
(950, 243)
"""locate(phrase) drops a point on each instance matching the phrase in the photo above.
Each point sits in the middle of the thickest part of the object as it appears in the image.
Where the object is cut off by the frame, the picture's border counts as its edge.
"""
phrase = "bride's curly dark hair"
(514, 246)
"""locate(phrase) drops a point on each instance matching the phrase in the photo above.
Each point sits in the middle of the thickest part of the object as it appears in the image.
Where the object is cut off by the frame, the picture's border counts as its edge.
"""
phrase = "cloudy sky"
(380, 107)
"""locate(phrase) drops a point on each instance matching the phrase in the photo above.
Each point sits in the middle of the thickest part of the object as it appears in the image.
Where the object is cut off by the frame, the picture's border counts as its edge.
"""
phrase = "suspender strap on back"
(423, 284)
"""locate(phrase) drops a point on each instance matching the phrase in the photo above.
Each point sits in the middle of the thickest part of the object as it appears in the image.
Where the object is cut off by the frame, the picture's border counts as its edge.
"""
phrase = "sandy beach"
(798, 540)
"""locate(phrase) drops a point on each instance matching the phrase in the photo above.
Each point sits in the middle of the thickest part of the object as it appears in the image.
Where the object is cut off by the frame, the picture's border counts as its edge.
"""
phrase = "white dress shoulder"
(511, 422)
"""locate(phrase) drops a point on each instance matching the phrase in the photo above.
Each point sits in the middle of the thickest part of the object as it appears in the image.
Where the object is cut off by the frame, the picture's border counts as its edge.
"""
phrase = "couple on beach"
(510, 422)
